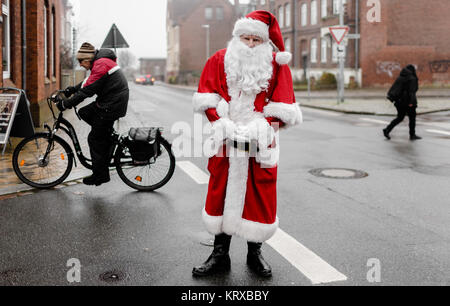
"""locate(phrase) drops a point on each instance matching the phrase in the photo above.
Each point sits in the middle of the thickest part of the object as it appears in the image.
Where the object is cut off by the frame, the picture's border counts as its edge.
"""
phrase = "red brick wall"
(193, 36)
(410, 32)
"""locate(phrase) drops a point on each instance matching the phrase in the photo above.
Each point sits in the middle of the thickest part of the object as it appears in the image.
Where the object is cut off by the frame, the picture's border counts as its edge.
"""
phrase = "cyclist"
(111, 87)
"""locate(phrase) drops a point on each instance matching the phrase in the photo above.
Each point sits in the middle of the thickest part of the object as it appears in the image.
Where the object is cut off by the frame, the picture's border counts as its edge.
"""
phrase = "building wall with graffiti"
(410, 32)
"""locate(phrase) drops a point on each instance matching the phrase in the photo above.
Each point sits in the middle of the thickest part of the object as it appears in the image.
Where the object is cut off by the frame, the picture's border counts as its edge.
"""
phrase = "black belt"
(245, 146)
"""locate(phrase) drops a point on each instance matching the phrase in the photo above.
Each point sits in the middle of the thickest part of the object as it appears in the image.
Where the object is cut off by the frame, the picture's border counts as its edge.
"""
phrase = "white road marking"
(374, 120)
(439, 132)
(194, 172)
(320, 111)
(309, 264)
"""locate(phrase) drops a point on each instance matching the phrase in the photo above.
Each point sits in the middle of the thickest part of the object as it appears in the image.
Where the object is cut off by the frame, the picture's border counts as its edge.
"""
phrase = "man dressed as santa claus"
(246, 92)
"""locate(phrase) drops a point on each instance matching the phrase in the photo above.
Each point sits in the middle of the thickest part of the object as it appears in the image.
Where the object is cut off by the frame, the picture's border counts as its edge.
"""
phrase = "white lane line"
(374, 120)
(320, 111)
(438, 132)
(309, 264)
(194, 172)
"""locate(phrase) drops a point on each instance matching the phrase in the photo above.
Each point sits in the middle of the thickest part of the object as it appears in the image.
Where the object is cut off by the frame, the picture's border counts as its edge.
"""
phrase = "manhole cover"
(339, 173)
(113, 276)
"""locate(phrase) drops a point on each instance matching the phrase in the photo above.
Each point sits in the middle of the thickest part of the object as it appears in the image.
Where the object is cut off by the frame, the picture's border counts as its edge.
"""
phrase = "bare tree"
(126, 59)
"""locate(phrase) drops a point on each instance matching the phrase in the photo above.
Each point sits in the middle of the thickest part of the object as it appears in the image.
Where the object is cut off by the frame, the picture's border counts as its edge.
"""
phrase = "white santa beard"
(248, 69)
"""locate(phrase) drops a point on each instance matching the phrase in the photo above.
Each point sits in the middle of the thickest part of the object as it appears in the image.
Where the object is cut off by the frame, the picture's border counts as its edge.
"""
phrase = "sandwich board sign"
(338, 33)
(15, 116)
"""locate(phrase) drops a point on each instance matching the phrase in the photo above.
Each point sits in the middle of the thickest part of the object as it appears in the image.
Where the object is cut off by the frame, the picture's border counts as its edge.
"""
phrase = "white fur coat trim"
(203, 101)
(232, 222)
(251, 26)
(290, 114)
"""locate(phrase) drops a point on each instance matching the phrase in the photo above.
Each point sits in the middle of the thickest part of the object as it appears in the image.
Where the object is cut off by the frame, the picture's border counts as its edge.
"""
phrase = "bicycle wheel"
(38, 171)
(150, 176)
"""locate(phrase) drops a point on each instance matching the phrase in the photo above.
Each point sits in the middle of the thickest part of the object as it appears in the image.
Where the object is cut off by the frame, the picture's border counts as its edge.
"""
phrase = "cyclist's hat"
(86, 52)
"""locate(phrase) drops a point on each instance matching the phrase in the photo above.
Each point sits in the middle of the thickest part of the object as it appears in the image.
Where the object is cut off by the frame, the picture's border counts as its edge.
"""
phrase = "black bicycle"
(45, 160)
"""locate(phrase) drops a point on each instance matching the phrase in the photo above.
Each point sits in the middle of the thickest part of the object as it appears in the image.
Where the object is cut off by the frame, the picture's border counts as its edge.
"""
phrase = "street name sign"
(339, 33)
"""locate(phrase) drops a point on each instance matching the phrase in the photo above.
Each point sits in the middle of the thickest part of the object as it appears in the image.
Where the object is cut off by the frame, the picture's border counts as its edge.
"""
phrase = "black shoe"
(386, 134)
(219, 261)
(415, 137)
(95, 180)
(256, 261)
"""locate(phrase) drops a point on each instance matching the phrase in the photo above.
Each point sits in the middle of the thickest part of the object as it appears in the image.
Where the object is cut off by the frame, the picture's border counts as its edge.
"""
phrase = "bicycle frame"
(63, 124)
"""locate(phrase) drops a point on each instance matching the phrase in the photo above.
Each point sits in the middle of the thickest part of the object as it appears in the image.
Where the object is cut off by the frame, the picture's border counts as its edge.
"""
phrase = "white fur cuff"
(203, 101)
(261, 131)
(290, 114)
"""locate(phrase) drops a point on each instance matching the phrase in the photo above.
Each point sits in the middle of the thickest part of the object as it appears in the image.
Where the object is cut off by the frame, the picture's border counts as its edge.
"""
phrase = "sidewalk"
(9, 182)
(363, 101)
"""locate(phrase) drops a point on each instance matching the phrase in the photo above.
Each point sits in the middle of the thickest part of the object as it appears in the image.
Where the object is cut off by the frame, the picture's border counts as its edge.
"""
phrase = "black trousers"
(402, 112)
(99, 139)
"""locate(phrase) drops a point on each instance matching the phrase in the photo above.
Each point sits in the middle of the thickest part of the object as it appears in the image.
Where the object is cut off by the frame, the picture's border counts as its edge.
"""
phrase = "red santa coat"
(242, 192)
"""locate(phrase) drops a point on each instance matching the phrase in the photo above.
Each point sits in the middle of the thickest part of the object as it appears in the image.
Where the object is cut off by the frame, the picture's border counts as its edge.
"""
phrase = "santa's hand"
(242, 134)
(261, 131)
(224, 128)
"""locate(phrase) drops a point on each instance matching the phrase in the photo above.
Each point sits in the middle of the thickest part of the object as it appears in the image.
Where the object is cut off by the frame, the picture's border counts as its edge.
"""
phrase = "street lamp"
(207, 27)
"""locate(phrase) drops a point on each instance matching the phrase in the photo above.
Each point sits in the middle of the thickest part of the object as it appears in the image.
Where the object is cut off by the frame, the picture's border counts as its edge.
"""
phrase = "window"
(336, 6)
(208, 13)
(6, 60)
(287, 9)
(314, 12)
(263, 2)
(53, 40)
(324, 8)
(324, 49)
(287, 44)
(281, 15)
(46, 49)
(304, 14)
(219, 13)
(314, 50)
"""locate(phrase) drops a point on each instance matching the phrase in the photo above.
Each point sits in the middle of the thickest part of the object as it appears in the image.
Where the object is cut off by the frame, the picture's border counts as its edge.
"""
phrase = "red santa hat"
(265, 25)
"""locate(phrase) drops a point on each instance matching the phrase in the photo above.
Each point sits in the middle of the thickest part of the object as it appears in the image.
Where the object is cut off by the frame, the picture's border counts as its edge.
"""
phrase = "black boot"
(94, 180)
(386, 134)
(414, 137)
(219, 260)
(256, 262)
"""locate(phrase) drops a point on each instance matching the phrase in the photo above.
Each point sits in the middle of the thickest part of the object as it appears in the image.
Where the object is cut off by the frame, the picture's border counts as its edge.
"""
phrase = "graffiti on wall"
(439, 66)
(388, 68)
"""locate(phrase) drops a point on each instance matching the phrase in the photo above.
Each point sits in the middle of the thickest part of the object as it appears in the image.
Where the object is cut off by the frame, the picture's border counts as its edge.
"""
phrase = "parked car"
(145, 80)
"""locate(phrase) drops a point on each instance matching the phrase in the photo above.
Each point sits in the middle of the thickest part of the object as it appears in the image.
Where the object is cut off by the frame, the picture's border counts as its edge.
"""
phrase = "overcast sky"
(142, 23)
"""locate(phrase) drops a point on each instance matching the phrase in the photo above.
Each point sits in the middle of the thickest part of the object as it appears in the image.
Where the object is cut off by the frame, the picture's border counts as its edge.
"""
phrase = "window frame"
(212, 13)
(287, 12)
(324, 49)
(304, 15)
(313, 47)
(324, 8)
(281, 16)
(6, 12)
(314, 12)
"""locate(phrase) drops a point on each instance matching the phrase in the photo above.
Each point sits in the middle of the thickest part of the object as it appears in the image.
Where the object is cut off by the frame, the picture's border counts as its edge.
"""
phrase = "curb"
(368, 113)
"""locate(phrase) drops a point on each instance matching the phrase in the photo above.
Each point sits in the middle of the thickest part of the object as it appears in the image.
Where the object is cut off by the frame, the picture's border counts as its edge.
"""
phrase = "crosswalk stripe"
(309, 264)
(439, 132)
(194, 172)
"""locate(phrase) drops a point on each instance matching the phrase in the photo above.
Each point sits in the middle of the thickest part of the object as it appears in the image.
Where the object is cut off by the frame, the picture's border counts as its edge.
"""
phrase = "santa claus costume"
(246, 93)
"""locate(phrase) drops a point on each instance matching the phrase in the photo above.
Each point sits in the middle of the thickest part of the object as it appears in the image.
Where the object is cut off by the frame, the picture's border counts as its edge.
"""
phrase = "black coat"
(403, 91)
(109, 84)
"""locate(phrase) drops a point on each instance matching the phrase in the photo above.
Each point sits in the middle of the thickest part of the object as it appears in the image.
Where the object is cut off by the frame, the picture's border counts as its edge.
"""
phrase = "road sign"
(339, 33)
(115, 39)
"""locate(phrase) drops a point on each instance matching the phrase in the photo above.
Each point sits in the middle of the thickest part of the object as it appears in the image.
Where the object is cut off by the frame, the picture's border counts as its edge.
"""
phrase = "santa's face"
(248, 64)
(251, 40)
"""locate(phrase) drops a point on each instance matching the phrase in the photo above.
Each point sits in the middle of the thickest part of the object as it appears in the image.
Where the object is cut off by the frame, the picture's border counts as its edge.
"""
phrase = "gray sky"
(142, 23)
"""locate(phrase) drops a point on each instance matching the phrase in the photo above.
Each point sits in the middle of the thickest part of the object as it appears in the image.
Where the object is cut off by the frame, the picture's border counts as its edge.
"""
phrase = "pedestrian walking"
(246, 92)
(403, 95)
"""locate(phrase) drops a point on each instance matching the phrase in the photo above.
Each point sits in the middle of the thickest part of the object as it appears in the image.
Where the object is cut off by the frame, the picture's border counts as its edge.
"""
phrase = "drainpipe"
(24, 45)
(357, 41)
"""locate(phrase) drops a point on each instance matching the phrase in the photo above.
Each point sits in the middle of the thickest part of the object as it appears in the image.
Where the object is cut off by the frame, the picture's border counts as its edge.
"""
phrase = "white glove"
(261, 131)
(224, 128)
(242, 134)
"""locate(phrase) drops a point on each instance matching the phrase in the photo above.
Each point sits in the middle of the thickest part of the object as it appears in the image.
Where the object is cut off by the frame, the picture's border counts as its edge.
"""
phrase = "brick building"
(190, 24)
(34, 26)
(154, 66)
(409, 32)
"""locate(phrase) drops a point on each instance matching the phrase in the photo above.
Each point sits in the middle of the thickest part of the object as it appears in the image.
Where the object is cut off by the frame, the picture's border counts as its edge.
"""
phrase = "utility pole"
(341, 54)
(74, 59)
(207, 27)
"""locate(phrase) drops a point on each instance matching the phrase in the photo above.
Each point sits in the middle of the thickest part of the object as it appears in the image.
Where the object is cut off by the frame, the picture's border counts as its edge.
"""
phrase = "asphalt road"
(389, 228)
